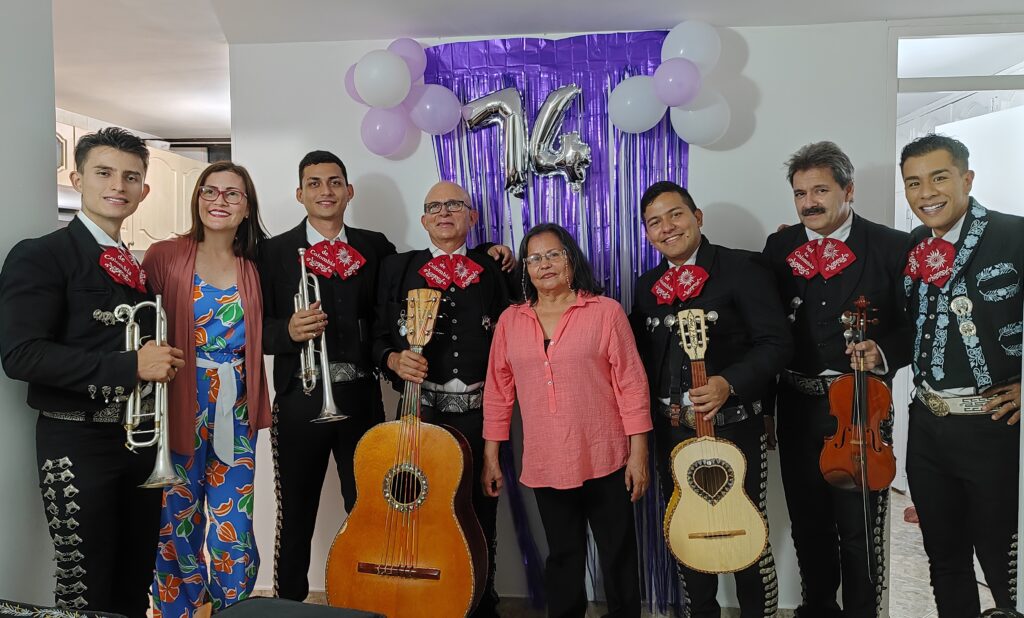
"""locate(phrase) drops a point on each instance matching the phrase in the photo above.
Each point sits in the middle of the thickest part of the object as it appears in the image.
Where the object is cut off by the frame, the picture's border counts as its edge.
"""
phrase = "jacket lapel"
(858, 244)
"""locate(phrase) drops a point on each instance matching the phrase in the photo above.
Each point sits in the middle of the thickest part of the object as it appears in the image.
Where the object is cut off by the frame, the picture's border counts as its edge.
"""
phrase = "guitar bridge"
(406, 572)
(717, 534)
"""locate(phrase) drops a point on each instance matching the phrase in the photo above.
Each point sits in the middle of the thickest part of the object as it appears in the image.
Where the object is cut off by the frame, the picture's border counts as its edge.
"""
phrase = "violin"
(857, 457)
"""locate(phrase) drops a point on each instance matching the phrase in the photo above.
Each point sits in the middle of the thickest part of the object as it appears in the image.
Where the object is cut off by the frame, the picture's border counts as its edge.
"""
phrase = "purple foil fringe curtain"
(604, 216)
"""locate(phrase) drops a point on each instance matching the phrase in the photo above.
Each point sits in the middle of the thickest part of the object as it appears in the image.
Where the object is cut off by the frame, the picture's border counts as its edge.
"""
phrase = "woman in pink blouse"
(569, 356)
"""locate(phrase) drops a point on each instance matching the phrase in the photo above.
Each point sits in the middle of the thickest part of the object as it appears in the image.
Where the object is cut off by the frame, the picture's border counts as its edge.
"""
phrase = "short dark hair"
(583, 279)
(822, 154)
(250, 232)
(317, 157)
(658, 189)
(112, 137)
(932, 142)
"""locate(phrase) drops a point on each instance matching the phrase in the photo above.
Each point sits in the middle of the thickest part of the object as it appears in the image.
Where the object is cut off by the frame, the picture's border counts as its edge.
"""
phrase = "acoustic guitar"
(412, 545)
(711, 525)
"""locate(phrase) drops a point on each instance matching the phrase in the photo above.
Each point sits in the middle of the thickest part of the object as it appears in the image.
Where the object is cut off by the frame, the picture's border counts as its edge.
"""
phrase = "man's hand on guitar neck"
(408, 365)
(710, 398)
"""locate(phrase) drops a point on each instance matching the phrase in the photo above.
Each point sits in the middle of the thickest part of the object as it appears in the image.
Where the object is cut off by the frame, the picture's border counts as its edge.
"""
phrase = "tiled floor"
(910, 593)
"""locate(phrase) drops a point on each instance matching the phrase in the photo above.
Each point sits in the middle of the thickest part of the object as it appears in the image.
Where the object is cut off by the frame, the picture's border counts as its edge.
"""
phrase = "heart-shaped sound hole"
(711, 479)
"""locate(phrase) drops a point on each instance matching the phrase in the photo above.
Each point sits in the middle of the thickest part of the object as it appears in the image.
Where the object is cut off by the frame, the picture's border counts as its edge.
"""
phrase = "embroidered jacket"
(968, 332)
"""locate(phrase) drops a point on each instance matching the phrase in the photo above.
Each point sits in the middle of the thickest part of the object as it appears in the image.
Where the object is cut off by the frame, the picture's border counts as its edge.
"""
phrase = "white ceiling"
(161, 67)
(157, 67)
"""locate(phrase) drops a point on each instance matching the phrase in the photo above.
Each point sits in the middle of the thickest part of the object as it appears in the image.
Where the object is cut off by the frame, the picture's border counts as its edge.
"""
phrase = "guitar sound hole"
(405, 487)
(710, 479)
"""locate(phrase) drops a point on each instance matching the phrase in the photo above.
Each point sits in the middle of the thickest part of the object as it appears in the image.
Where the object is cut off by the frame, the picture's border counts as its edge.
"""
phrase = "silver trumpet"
(308, 357)
(163, 474)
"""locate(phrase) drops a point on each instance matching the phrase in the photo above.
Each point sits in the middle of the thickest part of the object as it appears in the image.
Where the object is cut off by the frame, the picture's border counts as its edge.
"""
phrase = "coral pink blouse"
(579, 400)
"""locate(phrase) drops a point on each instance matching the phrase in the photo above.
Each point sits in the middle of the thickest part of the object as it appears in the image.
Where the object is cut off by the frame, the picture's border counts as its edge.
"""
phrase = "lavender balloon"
(383, 130)
(676, 81)
(413, 54)
(435, 109)
(350, 85)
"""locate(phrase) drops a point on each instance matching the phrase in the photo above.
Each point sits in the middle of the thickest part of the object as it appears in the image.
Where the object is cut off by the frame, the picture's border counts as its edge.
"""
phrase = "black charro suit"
(459, 349)
(963, 470)
(747, 345)
(828, 523)
(301, 448)
(58, 334)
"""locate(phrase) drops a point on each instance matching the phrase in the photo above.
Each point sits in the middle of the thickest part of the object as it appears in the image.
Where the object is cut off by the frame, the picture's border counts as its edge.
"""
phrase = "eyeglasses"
(554, 256)
(433, 208)
(231, 196)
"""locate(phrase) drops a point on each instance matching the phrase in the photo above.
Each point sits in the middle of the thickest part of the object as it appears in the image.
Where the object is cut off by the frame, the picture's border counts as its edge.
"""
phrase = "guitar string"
(390, 518)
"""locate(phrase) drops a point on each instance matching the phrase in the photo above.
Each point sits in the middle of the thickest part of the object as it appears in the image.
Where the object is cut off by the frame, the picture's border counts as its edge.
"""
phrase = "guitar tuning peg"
(711, 316)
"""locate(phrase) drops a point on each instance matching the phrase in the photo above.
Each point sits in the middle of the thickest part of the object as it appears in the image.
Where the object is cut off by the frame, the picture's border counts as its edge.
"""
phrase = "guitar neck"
(699, 378)
(411, 395)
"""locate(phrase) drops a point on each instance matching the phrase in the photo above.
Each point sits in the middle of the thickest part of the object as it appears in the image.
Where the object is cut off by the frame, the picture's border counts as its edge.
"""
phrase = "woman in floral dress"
(213, 302)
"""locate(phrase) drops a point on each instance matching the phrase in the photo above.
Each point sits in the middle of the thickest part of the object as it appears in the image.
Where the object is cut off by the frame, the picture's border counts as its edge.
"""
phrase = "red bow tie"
(682, 282)
(326, 258)
(444, 270)
(824, 256)
(931, 260)
(122, 268)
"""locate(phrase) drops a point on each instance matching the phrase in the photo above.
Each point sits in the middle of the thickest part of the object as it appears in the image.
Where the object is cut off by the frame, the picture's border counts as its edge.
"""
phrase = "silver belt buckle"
(936, 404)
(689, 417)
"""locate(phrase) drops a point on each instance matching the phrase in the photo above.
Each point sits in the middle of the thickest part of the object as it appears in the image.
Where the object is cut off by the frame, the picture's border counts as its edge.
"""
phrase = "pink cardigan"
(170, 266)
(579, 400)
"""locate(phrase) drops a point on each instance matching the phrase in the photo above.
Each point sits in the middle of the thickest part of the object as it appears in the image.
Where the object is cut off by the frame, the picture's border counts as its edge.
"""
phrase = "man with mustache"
(963, 281)
(821, 267)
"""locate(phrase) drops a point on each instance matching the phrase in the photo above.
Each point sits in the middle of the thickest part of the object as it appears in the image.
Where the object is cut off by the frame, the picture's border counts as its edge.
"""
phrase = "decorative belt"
(453, 403)
(970, 405)
(113, 413)
(725, 416)
(809, 385)
(340, 372)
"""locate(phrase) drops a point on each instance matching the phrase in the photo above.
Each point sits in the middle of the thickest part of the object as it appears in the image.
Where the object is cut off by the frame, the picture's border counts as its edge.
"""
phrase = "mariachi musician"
(748, 345)
(963, 281)
(821, 266)
(452, 368)
(345, 261)
(57, 299)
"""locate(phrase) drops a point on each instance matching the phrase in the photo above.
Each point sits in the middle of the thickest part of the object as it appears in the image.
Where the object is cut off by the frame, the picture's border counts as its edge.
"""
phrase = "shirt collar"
(435, 252)
(101, 237)
(690, 261)
(313, 236)
(953, 235)
(582, 298)
(841, 233)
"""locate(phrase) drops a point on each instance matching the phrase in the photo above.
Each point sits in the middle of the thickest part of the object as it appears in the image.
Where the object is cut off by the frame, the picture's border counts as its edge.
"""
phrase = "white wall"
(27, 167)
(787, 85)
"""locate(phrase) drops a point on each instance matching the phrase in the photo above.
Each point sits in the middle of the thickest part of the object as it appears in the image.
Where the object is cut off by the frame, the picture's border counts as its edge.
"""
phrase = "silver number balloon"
(572, 157)
(505, 109)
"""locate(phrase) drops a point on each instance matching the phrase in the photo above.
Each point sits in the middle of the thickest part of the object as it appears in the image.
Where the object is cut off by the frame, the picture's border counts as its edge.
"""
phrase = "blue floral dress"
(215, 504)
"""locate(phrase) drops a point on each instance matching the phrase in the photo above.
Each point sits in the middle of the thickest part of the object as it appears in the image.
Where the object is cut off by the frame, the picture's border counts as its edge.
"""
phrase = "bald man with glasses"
(451, 370)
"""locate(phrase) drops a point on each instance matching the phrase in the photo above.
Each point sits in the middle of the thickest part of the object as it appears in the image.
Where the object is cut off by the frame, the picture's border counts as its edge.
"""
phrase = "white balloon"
(633, 106)
(696, 41)
(382, 78)
(704, 121)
